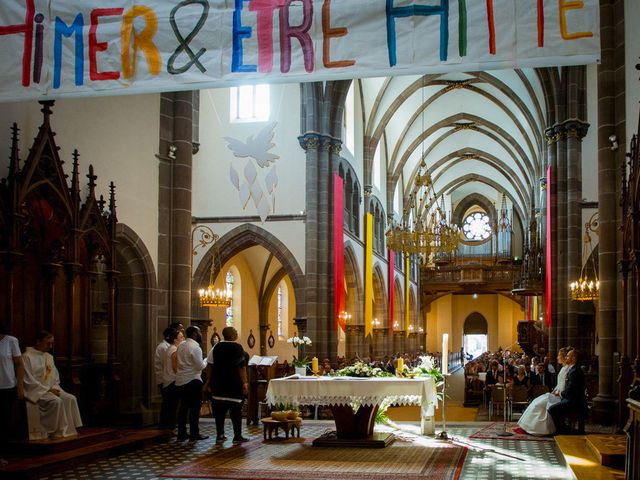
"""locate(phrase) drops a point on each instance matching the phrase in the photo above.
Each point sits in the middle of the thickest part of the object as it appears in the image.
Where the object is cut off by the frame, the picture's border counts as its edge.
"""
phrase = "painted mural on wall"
(84, 47)
(251, 183)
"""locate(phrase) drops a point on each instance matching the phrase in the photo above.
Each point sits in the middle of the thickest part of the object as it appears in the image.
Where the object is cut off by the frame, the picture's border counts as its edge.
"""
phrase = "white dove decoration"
(252, 184)
(257, 147)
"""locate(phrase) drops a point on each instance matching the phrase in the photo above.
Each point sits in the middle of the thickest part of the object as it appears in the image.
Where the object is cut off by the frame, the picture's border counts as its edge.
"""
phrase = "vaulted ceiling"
(479, 133)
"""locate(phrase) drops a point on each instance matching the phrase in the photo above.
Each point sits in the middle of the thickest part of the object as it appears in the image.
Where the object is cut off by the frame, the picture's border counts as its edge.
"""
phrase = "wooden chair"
(519, 399)
(538, 390)
(496, 400)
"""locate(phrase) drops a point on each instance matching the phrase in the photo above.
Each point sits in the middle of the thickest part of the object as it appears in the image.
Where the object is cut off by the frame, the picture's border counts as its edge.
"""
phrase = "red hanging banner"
(548, 252)
(391, 280)
(338, 251)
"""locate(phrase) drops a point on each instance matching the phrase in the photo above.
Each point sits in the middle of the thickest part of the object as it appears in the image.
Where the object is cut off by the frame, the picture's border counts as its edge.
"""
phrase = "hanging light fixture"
(210, 296)
(587, 286)
(430, 234)
(425, 229)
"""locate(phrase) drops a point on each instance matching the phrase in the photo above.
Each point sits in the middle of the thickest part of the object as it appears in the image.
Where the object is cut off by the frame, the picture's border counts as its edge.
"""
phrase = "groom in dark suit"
(573, 398)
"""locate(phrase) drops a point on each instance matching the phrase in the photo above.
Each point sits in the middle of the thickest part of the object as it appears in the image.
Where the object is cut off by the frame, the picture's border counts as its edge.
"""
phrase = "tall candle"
(445, 353)
(400, 366)
(314, 364)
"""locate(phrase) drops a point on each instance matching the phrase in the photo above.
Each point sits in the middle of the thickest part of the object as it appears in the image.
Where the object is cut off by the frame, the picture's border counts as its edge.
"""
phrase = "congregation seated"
(58, 410)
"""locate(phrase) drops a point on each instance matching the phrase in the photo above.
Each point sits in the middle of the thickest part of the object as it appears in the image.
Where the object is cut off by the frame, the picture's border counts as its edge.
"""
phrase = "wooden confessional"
(57, 268)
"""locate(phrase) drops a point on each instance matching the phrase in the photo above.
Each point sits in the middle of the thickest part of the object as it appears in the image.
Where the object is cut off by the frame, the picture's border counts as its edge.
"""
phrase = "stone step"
(583, 462)
(36, 465)
(609, 449)
(86, 436)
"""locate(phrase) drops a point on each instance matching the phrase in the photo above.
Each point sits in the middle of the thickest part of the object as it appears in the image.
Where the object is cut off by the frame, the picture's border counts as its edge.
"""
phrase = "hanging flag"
(338, 251)
(548, 251)
(407, 288)
(392, 285)
(368, 275)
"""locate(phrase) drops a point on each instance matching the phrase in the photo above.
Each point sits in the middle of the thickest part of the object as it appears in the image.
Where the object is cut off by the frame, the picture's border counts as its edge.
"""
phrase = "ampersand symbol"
(184, 42)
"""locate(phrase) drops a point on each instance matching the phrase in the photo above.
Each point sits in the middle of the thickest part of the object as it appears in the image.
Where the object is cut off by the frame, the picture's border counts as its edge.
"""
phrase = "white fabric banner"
(52, 48)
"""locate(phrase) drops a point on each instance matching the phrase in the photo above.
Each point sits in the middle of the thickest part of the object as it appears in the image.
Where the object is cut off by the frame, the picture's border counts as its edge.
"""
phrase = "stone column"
(576, 130)
(561, 278)
(174, 205)
(552, 138)
(610, 108)
(322, 105)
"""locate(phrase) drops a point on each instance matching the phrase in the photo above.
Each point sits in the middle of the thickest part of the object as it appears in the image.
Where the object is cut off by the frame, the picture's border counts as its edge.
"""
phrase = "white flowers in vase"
(300, 342)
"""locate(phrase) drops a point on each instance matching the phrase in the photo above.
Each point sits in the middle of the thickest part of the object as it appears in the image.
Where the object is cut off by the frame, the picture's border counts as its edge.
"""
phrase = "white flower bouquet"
(300, 343)
(361, 369)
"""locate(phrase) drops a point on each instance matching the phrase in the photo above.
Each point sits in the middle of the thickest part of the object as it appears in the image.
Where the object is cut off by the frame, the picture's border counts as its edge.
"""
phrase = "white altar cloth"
(364, 391)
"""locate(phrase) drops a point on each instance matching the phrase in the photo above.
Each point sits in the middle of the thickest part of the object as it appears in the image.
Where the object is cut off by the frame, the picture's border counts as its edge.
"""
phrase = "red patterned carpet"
(296, 459)
(493, 430)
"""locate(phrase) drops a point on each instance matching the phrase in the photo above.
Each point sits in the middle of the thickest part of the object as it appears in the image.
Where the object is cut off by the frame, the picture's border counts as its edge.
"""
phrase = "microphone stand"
(504, 432)
(443, 434)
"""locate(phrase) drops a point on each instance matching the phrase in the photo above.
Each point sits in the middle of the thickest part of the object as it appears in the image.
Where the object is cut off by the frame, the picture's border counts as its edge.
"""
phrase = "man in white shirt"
(59, 414)
(158, 368)
(189, 383)
(11, 375)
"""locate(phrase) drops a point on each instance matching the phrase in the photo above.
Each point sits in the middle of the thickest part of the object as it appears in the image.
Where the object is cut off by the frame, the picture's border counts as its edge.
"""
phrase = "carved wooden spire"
(112, 203)
(92, 182)
(14, 159)
(75, 179)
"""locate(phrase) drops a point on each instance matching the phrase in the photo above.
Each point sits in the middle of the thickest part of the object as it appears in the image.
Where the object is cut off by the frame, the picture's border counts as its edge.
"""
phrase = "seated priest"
(59, 414)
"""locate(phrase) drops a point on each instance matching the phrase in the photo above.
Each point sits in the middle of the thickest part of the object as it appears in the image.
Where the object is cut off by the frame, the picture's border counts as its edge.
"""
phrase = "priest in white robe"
(59, 414)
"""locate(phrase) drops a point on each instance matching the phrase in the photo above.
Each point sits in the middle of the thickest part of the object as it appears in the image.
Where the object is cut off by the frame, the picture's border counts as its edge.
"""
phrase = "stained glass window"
(477, 226)
(228, 283)
(280, 311)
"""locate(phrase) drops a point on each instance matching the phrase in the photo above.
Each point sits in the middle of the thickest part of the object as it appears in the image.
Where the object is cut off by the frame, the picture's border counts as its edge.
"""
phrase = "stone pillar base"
(604, 409)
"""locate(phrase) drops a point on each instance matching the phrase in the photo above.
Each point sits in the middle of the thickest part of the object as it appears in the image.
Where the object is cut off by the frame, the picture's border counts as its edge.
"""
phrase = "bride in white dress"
(535, 420)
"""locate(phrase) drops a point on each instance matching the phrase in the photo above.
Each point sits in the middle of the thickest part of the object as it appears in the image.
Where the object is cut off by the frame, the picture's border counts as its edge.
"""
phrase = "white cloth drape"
(59, 415)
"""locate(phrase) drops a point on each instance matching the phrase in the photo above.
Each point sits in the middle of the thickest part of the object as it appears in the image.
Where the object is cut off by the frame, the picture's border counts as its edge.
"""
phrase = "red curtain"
(338, 251)
(391, 280)
(548, 252)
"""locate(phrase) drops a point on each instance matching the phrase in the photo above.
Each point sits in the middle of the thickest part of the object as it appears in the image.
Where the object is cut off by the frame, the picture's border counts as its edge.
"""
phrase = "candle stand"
(443, 434)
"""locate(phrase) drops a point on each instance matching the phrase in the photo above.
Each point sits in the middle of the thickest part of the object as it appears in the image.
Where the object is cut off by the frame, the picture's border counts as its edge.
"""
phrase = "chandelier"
(587, 287)
(210, 296)
(428, 234)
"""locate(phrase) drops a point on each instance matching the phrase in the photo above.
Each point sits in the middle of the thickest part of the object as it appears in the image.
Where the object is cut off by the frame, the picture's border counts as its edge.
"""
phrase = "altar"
(354, 427)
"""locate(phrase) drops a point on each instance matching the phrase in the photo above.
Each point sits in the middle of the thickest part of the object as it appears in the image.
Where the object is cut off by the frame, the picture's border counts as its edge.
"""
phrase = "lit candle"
(314, 364)
(445, 353)
(400, 366)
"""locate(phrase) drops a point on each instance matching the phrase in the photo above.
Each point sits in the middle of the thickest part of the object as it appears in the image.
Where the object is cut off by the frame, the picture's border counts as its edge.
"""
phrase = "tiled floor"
(487, 459)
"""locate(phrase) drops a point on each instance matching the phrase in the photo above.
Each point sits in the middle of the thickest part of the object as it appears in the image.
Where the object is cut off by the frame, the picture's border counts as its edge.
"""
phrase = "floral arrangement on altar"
(426, 367)
(361, 369)
(300, 342)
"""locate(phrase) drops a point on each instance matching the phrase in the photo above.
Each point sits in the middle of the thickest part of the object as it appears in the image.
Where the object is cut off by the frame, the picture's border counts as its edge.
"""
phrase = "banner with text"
(88, 47)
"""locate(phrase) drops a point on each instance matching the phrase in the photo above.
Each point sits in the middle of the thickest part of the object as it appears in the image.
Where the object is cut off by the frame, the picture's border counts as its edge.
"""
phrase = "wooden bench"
(288, 426)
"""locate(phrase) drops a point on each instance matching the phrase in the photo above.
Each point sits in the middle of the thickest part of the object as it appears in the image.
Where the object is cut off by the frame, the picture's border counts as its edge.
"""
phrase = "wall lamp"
(614, 142)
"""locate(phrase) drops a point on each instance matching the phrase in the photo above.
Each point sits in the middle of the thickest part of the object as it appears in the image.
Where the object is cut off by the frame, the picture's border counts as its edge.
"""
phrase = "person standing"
(59, 413)
(169, 389)
(227, 382)
(189, 383)
(158, 368)
(11, 381)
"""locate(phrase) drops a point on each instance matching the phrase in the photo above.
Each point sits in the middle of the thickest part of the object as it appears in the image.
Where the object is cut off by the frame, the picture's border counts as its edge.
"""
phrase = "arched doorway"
(475, 335)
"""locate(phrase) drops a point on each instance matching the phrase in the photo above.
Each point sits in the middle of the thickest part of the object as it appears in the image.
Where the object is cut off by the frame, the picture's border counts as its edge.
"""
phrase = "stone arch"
(398, 302)
(138, 330)
(413, 308)
(468, 202)
(354, 303)
(475, 324)
(241, 238)
(379, 293)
